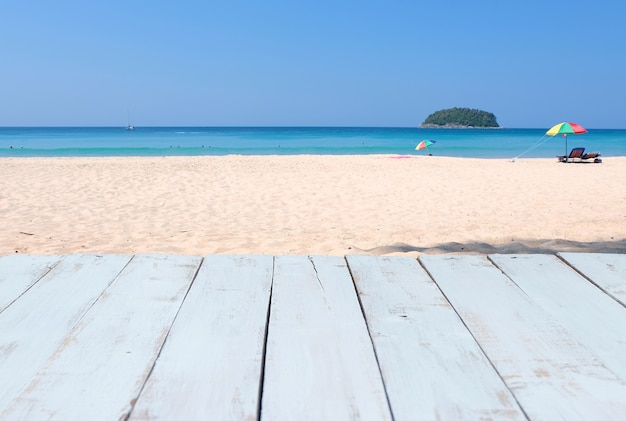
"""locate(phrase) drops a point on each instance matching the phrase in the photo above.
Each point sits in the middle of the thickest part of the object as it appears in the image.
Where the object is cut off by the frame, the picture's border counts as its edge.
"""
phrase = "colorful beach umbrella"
(564, 129)
(424, 144)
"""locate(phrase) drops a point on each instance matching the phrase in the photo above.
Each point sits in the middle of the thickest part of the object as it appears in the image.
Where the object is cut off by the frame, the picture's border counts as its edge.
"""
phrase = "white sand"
(330, 205)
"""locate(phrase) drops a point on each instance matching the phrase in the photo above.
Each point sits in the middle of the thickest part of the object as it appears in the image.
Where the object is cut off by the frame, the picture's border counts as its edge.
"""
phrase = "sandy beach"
(328, 205)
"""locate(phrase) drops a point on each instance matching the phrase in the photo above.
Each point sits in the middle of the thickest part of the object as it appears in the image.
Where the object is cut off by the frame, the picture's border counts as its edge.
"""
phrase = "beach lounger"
(592, 155)
(579, 155)
(576, 153)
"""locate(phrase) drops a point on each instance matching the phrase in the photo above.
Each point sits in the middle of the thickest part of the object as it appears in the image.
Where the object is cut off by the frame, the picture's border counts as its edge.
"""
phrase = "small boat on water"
(128, 125)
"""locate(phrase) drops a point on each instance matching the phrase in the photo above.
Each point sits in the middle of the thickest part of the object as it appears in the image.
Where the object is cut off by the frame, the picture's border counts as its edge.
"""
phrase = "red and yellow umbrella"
(564, 129)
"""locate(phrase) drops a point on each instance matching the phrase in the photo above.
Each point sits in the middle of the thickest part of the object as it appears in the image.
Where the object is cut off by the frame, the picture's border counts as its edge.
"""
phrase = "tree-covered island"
(460, 118)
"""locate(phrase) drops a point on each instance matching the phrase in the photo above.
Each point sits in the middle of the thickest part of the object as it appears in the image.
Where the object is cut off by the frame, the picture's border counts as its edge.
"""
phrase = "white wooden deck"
(448, 337)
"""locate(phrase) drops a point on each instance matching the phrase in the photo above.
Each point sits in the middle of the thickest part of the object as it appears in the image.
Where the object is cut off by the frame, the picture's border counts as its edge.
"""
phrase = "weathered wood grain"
(97, 337)
(18, 272)
(34, 326)
(607, 271)
(551, 374)
(590, 316)
(101, 365)
(431, 364)
(210, 366)
(320, 362)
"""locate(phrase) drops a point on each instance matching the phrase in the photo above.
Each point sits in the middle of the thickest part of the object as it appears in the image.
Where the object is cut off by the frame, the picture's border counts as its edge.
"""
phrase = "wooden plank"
(607, 271)
(320, 363)
(591, 317)
(213, 356)
(431, 364)
(18, 272)
(34, 326)
(99, 369)
(551, 374)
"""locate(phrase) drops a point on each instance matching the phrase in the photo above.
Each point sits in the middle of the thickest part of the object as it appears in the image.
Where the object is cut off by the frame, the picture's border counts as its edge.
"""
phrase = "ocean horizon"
(197, 141)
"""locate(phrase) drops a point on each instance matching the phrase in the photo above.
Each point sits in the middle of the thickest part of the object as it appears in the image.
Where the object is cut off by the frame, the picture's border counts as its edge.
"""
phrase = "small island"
(460, 118)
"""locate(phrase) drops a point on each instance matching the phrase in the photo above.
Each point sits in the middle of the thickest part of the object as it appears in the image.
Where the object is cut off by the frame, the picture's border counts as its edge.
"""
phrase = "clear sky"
(310, 63)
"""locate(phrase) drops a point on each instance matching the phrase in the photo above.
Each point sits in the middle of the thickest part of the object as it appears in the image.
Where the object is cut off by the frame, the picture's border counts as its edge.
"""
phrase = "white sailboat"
(128, 125)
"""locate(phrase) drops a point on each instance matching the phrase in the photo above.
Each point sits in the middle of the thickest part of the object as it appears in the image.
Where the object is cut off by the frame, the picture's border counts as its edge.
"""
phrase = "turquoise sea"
(193, 141)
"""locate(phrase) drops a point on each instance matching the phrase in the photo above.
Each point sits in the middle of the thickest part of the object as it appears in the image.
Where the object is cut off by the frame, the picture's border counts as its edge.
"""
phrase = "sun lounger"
(579, 155)
(576, 153)
(592, 155)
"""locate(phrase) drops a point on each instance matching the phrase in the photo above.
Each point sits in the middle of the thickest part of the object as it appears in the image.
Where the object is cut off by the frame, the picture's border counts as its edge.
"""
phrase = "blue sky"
(321, 63)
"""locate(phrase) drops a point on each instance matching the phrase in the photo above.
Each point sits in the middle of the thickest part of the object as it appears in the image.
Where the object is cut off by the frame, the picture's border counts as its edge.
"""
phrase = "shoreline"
(309, 204)
(373, 155)
(282, 141)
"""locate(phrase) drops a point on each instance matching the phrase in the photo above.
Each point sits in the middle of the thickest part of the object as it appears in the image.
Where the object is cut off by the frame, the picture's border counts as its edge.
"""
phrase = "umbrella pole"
(566, 156)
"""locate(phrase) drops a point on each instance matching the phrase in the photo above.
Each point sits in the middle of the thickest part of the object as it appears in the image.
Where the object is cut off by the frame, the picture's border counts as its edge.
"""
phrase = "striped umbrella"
(424, 144)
